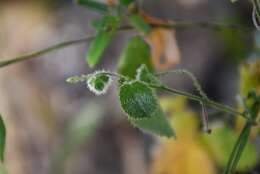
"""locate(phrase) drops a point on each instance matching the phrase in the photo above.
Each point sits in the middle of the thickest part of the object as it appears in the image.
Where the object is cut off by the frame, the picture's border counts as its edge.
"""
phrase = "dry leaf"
(165, 50)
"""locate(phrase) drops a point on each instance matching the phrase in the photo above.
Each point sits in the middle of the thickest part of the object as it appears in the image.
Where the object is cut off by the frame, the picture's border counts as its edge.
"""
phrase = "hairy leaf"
(143, 74)
(99, 82)
(157, 124)
(138, 100)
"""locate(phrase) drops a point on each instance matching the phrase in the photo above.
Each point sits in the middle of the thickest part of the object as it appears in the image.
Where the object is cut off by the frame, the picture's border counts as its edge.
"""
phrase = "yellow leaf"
(165, 50)
(249, 80)
(185, 155)
(250, 77)
(182, 157)
(182, 118)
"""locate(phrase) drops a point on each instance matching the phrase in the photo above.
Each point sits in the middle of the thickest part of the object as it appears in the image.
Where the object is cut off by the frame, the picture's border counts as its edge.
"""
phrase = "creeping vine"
(136, 78)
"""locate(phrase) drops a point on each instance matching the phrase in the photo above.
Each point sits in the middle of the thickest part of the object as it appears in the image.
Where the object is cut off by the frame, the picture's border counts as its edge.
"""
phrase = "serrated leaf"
(157, 124)
(135, 53)
(137, 100)
(2, 138)
(139, 23)
(99, 82)
(97, 47)
(94, 5)
(143, 74)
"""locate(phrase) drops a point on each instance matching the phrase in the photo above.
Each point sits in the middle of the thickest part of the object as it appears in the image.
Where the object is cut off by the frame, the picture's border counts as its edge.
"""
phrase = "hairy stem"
(188, 74)
(207, 102)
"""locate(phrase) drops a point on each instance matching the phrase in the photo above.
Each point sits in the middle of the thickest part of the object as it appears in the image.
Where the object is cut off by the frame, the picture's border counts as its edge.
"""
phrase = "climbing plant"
(136, 79)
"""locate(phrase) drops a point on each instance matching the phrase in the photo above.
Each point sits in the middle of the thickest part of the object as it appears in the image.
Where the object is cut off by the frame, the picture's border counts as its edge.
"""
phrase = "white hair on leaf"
(99, 82)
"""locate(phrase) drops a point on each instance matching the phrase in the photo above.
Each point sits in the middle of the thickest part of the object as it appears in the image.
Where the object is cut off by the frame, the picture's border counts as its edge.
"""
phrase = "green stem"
(188, 74)
(207, 102)
(244, 136)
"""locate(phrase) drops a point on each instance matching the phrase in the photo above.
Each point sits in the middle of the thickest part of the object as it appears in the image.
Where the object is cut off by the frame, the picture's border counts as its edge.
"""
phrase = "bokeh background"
(56, 127)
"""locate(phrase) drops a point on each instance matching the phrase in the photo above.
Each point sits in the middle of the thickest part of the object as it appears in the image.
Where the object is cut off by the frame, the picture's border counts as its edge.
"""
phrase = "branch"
(52, 48)
(62, 45)
(208, 25)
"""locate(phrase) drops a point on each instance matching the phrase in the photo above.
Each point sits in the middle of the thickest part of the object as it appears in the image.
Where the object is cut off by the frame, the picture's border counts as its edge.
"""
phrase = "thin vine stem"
(200, 99)
(208, 25)
(198, 87)
(55, 47)
(207, 102)
(44, 51)
(188, 74)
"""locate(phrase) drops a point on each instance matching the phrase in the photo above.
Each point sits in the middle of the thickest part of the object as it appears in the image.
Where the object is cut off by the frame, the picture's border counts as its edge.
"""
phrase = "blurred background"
(56, 127)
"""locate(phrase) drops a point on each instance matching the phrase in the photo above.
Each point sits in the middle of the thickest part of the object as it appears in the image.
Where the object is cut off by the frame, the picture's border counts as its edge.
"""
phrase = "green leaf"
(106, 27)
(135, 53)
(138, 22)
(143, 74)
(126, 2)
(252, 105)
(138, 100)
(107, 22)
(220, 143)
(157, 124)
(238, 149)
(97, 47)
(2, 138)
(94, 5)
(99, 82)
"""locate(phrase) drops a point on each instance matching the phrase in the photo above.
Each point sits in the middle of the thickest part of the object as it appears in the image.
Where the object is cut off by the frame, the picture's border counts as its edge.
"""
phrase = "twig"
(61, 45)
(209, 25)
(44, 51)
